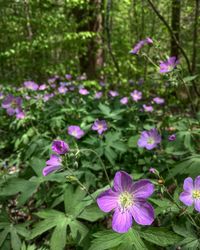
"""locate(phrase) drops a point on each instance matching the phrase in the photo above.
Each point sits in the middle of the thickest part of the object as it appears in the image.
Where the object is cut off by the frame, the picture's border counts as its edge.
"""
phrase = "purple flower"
(191, 193)
(113, 93)
(75, 131)
(140, 44)
(52, 164)
(31, 85)
(158, 100)
(42, 87)
(46, 97)
(149, 139)
(152, 170)
(20, 114)
(136, 95)
(83, 91)
(62, 90)
(100, 126)
(60, 147)
(98, 95)
(172, 137)
(124, 100)
(68, 76)
(147, 108)
(12, 104)
(128, 200)
(137, 47)
(168, 65)
(149, 40)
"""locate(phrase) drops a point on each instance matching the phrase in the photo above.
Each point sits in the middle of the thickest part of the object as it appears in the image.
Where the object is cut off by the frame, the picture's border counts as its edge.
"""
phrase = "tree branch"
(176, 41)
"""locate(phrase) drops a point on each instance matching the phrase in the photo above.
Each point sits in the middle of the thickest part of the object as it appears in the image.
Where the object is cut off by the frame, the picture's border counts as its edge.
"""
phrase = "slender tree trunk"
(175, 25)
(195, 36)
(93, 59)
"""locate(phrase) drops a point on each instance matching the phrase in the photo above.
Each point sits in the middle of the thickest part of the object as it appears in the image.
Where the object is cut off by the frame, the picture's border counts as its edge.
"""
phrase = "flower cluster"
(13, 106)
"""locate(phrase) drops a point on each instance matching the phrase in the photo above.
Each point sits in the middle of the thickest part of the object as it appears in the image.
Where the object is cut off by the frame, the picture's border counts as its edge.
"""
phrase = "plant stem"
(81, 184)
(100, 160)
(189, 216)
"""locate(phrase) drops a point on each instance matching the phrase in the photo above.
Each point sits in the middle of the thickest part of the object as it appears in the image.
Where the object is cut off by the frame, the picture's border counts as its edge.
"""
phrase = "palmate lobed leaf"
(112, 240)
(160, 236)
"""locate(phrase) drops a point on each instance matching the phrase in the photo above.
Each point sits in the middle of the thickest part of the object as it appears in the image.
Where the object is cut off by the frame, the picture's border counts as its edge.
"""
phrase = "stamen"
(196, 194)
(125, 200)
(150, 140)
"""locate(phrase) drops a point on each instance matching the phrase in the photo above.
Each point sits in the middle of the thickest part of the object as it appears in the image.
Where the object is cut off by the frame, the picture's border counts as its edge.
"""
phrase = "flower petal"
(121, 222)
(122, 181)
(188, 184)
(107, 201)
(197, 205)
(142, 189)
(143, 213)
(54, 160)
(48, 169)
(197, 183)
(186, 198)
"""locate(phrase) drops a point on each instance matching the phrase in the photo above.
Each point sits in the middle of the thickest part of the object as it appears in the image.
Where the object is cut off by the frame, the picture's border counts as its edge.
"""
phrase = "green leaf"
(135, 240)
(73, 200)
(58, 238)
(189, 78)
(91, 213)
(3, 235)
(15, 240)
(78, 230)
(52, 219)
(160, 236)
(132, 142)
(106, 240)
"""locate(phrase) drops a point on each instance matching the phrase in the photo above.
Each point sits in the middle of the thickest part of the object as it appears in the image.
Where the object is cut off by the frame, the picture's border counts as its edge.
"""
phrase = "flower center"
(150, 140)
(125, 200)
(100, 126)
(196, 194)
(74, 133)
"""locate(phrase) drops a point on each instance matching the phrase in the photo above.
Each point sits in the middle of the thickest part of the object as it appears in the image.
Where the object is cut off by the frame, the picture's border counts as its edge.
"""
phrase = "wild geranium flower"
(83, 91)
(168, 65)
(46, 97)
(68, 76)
(147, 108)
(140, 44)
(75, 131)
(60, 147)
(62, 90)
(152, 170)
(31, 85)
(42, 87)
(124, 100)
(52, 164)
(113, 93)
(136, 95)
(158, 100)
(20, 114)
(12, 104)
(98, 95)
(100, 126)
(172, 137)
(137, 47)
(149, 139)
(128, 200)
(191, 193)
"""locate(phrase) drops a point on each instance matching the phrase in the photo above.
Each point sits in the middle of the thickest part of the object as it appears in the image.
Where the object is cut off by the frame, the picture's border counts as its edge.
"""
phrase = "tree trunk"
(175, 25)
(195, 36)
(93, 59)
